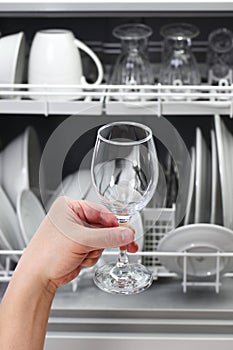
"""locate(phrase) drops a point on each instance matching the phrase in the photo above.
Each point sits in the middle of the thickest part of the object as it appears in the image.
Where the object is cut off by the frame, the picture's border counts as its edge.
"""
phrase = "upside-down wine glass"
(132, 66)
(179, 65)
(125, 175)
(220, 55)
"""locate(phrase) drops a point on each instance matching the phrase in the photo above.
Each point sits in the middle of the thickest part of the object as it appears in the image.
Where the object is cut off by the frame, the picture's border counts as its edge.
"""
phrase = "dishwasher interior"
(179, 309)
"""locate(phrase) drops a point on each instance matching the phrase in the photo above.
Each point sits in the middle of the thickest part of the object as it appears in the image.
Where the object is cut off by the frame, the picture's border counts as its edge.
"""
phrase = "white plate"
(19, 163)
(225, 168)
(77, 186)
(4, 245)
(30, 214)
(160, 195)
(10, 235)
(216, 205)
(197, 238)
(202, 182)
(60, 191)
(81, 186)
(229, 150)
(189, 215)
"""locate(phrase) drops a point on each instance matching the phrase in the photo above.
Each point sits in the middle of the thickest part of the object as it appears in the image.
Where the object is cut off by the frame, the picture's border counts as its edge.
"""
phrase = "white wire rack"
(116, 99)
(157, 223)
(51, 99)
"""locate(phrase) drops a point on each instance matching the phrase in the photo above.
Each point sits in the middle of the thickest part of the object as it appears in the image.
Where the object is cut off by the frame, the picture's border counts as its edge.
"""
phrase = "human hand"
(73, 235)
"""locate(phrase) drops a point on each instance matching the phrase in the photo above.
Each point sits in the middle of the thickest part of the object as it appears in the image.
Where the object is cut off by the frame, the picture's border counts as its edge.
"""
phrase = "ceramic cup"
(12, 60)
(55, 59)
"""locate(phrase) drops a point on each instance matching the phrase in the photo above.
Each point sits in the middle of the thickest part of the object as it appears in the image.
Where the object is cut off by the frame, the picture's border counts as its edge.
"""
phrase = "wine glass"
(132, 66)
(220, 55)
(124, 174)
(179, 65)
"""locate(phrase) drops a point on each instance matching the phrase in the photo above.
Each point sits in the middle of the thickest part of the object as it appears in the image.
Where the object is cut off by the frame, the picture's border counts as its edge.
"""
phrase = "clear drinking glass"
(125, 174)
(220, 55)
(179, 65)
(132, 66)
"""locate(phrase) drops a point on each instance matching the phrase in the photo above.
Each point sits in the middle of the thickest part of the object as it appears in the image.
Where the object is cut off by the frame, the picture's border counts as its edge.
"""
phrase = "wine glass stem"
(122, 259)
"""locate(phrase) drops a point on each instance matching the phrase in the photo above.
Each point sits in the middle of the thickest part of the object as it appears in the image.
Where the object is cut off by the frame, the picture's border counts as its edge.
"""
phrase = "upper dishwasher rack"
(117, 99)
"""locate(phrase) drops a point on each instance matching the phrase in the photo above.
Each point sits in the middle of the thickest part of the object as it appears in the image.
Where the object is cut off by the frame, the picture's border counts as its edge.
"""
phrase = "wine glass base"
(135, 279)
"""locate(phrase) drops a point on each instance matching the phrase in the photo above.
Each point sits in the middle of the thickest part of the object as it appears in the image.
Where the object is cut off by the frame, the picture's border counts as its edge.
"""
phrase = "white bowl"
(30, 214)
(19, 165)
(12, 58)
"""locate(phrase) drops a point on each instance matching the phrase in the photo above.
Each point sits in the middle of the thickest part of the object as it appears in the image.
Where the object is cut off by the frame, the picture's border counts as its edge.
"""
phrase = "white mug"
(54, 59)
(12, 60)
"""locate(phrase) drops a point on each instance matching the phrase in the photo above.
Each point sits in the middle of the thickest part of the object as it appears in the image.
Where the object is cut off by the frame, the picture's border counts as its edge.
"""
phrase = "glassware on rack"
(220, 56)
(132, 66)
(125, 174)
(179, 65)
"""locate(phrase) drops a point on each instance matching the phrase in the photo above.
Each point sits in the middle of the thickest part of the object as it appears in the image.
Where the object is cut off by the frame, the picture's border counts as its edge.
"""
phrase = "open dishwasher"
(181, 308)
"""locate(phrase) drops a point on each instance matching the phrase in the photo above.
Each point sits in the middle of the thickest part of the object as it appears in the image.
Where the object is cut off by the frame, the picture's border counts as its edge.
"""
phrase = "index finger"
(94, 213)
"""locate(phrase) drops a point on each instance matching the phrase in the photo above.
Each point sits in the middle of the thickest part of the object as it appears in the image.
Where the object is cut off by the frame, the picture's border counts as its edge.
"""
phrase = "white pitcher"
(55, 59)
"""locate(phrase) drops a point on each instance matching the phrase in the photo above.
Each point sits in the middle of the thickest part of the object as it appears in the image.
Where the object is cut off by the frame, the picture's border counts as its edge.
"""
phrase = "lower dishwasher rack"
(173, 313)
(157, 223)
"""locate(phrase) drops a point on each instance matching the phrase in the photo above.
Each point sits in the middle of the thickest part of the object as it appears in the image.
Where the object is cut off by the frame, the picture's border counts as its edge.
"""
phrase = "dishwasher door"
(162, 317)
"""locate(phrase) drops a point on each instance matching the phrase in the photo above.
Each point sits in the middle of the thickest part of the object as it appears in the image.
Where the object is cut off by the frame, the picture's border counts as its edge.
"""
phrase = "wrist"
(35, 262)
(32, 274)
(25, 305)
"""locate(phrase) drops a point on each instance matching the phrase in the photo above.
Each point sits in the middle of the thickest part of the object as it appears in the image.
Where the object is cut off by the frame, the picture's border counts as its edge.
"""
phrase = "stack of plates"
(204, 194)
(225, 150)
(19, 165)
(20, 210)
(18, 226)
(208, 223)
(10, 235)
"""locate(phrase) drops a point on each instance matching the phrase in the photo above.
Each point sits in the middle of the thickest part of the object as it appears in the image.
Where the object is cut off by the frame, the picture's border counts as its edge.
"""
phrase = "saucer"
(197, 238)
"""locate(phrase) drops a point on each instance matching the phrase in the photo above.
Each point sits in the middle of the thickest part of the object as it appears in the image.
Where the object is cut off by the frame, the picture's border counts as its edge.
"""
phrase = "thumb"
(110, 237)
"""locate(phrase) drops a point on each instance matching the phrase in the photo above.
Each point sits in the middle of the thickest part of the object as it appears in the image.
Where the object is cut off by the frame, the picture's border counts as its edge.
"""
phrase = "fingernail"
(126, 235)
